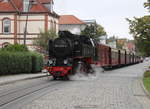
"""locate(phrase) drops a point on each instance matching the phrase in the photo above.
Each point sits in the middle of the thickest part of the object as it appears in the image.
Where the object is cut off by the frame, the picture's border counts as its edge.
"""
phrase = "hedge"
(37, 62)
(20, 62)
(15, 48)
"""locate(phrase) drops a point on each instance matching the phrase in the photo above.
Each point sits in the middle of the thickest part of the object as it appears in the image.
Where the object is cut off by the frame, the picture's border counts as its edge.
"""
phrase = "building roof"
(46, 1)
(69, 19)
(6, 6)
(17, 6)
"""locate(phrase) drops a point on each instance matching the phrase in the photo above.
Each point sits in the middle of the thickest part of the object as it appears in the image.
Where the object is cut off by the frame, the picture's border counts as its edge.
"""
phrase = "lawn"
(146, 80)
(147, 83)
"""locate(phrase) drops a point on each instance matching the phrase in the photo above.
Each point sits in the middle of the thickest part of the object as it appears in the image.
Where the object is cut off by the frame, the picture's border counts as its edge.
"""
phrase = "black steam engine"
(67, 51)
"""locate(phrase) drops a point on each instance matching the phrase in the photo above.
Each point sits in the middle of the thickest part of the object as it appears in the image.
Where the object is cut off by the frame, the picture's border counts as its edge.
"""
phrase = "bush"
(15, 48)
(37, 62)
(20, 62)
(147, 74)
(15, 62)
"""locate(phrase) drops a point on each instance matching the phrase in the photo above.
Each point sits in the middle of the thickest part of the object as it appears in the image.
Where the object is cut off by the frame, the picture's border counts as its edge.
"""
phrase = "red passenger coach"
(122, 57)
(114, 57)
(103, 55)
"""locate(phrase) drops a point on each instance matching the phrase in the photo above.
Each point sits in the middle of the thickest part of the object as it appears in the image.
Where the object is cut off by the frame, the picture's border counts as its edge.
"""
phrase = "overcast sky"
(110, 14)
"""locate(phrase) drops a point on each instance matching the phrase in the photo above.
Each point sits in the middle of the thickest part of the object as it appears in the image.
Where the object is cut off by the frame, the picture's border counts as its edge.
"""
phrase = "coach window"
(6, 26)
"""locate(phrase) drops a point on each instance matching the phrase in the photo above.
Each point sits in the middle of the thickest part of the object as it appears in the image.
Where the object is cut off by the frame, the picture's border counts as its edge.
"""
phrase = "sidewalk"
(18, 77)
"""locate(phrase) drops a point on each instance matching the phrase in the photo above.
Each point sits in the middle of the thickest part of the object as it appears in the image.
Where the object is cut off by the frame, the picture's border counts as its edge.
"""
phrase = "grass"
(146, 80)
(147, 83)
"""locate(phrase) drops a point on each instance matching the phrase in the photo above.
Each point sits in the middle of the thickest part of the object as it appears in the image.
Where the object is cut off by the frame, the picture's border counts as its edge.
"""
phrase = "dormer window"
(25, 5)
(6, 26)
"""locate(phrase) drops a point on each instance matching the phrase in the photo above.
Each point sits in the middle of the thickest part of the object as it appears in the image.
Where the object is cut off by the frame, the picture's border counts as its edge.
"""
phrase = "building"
(112, 42)
(90, 22)
(16, 14)
(126, 44)
(71, 23)
(103, 39)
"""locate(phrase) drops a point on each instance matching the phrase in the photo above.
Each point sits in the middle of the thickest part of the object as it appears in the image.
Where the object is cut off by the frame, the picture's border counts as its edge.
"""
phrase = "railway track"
(14, 94)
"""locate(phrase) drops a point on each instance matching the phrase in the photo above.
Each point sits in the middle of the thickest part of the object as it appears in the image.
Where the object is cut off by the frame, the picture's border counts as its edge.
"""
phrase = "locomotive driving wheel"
(83, 67)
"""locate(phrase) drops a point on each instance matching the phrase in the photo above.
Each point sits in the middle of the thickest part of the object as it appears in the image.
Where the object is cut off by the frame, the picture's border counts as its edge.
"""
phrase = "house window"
(6, 26)
(5, 44)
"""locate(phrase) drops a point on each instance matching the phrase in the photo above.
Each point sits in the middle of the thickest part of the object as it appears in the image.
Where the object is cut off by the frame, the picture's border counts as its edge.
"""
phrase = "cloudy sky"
(110, 14)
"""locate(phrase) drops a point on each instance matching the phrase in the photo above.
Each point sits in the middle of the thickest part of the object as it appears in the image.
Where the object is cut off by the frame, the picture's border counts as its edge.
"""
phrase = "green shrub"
(37, 62)
(15, 62)
(15, 59)
(15, 48)
(147, 74)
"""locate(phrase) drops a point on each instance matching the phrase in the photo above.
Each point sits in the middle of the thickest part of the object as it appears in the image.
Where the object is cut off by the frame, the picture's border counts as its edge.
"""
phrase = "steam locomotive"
(68, 51)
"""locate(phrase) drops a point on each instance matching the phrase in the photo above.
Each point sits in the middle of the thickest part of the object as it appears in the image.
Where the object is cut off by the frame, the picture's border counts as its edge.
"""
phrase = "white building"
(90, 22)
(71, 23)
(103, 39)
(13, 17)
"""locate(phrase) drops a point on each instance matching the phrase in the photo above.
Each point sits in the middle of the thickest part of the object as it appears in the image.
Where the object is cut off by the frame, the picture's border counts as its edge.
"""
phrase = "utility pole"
(26, 23)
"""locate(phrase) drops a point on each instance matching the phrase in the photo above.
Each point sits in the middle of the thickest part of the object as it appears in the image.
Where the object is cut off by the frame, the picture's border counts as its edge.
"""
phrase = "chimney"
(25, 5)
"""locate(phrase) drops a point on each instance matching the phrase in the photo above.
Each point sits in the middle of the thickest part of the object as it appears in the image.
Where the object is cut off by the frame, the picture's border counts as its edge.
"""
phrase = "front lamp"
(65, 61)
(50, 62)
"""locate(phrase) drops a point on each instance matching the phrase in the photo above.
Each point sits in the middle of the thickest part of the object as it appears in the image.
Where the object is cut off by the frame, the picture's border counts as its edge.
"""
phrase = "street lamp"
(26, 23)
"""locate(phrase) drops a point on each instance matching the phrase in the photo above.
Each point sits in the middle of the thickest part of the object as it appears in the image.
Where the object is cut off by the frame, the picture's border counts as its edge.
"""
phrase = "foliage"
(147, 74)
(15, 62)
(94, 31)
(15, 48)
(20, 62)
(43, 38)
(37, 62)
(147, 5)
(140, 28)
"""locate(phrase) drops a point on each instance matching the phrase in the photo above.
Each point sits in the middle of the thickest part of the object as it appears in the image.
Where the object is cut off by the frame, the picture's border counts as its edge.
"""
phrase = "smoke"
(80, 75)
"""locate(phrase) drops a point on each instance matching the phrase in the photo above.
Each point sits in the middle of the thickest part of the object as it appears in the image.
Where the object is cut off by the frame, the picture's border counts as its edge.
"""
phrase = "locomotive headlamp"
(50, 61)
(65, 61)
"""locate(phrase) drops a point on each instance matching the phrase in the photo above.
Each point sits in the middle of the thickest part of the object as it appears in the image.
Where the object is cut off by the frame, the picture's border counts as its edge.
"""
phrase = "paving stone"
(116, 89)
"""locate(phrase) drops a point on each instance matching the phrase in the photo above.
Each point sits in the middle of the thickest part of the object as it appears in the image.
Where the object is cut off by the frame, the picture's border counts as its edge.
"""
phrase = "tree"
(140, 28)
(42, 41)
(147, 5)
(94, 31)
(100, 31)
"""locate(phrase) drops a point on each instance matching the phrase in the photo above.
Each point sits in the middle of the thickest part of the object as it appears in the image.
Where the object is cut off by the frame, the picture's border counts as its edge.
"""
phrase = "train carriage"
(103, 55)
(114, 57)
(69, 51)
(127, 57)
(122, 57)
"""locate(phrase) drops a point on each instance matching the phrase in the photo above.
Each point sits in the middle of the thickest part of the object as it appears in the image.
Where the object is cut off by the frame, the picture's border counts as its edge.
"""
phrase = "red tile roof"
(46, 1)
(6, 6)
(38, 8)
(69, 19)
(17, 6)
